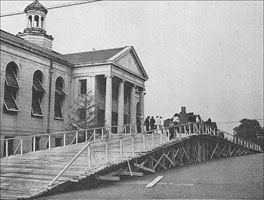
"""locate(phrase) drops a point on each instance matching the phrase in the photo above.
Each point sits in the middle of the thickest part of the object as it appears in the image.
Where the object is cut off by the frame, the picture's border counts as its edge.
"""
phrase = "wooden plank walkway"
(27, 175)
(32, 174)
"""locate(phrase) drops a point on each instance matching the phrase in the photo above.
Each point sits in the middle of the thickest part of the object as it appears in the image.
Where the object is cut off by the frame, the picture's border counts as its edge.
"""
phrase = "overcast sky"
(207, 56)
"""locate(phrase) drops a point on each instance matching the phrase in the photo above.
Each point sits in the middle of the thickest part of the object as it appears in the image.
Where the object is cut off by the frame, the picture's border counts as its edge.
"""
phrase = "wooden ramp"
(42, 172)
(29, 175)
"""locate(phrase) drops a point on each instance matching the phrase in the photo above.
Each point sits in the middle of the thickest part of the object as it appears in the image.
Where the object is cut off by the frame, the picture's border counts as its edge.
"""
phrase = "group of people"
(150, 123)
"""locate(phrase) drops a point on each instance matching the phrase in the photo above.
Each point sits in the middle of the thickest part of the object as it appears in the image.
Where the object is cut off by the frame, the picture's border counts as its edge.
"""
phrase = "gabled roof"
(15, 40)
(105, 56)
(92, 56)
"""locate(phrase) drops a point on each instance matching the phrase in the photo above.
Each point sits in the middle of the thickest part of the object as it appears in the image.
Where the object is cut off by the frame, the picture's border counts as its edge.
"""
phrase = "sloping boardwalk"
(34, 173)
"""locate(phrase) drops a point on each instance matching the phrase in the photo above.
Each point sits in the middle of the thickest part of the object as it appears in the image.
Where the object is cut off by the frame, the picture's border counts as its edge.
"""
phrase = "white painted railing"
(32, 143)
(147, 140)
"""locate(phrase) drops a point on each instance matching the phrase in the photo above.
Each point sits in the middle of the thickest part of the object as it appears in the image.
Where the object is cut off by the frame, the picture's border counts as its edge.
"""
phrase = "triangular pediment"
(129, 61)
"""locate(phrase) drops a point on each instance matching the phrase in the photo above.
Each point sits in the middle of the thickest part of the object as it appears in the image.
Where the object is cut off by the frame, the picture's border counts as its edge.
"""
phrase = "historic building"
(38, 85)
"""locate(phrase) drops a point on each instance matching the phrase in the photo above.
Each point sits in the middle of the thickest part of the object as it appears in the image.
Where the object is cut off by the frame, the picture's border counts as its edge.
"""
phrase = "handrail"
(180, 127)
(66, 135)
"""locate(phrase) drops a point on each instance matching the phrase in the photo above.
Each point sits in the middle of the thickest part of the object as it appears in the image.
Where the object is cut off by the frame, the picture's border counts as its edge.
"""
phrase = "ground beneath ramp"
(230, 178)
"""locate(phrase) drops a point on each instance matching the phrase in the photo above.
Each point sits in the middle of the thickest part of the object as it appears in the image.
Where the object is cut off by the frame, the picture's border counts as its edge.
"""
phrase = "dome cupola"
(35, 31)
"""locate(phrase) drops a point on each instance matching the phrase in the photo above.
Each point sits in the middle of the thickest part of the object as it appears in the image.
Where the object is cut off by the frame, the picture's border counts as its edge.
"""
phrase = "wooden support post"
(186, 154)
(203, 150)
(214, 150)
(144, 168)
(199, 148)
(158, 162)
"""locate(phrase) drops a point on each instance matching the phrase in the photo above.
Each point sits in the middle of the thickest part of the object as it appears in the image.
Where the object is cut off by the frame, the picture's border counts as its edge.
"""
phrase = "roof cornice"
(36, 50)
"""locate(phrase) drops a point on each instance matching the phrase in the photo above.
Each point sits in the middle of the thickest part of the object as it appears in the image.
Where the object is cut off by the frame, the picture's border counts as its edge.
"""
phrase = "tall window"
(36, 20)
(83, 86)
(30, 21)
(11, 88)
(37, 94)
(59, 98)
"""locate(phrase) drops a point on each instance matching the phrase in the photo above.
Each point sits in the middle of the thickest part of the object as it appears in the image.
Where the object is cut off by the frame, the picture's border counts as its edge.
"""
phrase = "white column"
(133, 105)
(141, 101)
(108, 100)
(121, 105)
(33, 21)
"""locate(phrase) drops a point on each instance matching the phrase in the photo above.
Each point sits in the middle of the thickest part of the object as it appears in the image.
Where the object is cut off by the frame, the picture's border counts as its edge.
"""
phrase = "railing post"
(34, 144)
(161, 138)
(121, 146)
(76, 136)
(86, 135)
(180, 128)
(49, 141)
(152, 139)
(89, 155)
(133, 144)
(102, 131)
(6, 148)
(64, 139)
(21, 146)
(144, 141)
(94, 134)
(106, 150)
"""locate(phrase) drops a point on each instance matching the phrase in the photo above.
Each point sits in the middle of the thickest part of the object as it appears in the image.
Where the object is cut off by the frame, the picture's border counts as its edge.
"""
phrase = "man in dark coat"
(152, 123)
(147, 123)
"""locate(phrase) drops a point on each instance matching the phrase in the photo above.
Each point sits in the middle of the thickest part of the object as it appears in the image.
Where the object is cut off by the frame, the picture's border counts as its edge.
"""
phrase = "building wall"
(22, 122)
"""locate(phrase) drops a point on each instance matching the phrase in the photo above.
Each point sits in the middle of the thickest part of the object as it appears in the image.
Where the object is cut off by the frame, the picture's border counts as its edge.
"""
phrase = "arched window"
(11, 88)
(37, 94)
(36, 18)
(59, 97)
(30, 21)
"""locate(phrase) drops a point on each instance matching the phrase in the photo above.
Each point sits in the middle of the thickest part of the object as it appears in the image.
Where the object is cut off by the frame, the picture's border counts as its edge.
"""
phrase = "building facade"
(39, 85)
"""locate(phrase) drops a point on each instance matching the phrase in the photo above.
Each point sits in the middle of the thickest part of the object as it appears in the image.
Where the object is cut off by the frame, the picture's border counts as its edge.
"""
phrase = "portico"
(117, 82)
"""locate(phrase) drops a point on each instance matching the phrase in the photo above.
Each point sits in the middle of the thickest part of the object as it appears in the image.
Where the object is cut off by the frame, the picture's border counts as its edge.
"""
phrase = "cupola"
(35, 31)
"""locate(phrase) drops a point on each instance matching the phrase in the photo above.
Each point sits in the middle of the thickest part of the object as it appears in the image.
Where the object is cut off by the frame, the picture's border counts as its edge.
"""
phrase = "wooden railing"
(149, 140)
(24, 144)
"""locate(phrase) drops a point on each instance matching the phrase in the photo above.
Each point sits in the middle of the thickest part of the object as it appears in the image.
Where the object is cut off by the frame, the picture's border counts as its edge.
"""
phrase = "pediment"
(130, 62)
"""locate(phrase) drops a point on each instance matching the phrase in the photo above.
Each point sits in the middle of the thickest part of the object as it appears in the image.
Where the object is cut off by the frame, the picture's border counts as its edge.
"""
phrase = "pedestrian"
(152, 123)
(107, 131)
(146, 123)
(171, 130)
(156, 122)
(176, 119)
